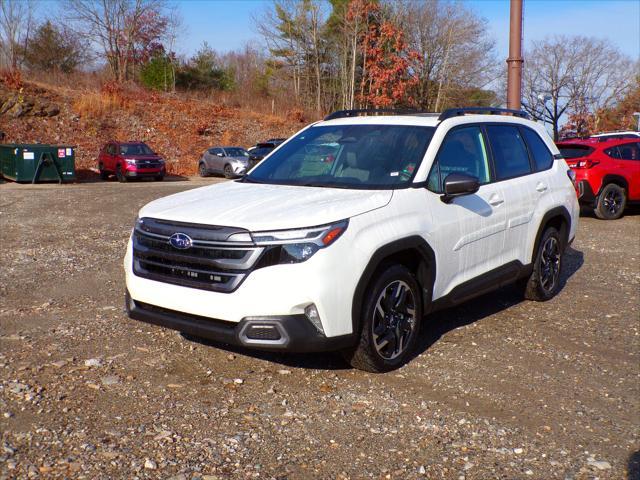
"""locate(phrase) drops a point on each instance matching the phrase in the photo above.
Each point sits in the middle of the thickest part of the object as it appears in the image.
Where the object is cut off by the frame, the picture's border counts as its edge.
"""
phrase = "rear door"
(217, 160)
(110, 155)
(524, 188)
(630, 163)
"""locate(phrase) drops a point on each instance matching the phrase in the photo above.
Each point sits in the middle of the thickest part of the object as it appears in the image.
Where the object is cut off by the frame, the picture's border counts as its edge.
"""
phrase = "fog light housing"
(311, 312)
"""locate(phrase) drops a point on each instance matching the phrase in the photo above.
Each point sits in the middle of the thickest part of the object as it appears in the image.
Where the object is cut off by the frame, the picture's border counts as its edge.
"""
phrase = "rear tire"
(119, 175)
(104, 175)
(611, 202)
(228, 171)
(390, 321)
(202, 170)
(544, 282)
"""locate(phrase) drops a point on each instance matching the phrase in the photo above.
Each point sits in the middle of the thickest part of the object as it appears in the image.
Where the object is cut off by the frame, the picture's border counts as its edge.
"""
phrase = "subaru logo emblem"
(181, 241)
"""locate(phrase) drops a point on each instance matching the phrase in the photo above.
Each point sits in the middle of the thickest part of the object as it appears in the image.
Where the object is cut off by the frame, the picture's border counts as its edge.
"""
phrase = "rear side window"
(462, 151)
(542, 157)
(509, 151)
(629, 151)
(613, 152)
(574, 151)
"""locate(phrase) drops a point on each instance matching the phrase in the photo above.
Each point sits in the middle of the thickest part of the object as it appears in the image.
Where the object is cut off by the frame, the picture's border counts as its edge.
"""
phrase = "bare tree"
(117, 26)
(293, 32)
(578, 74)
(454, 48)
(16, 19)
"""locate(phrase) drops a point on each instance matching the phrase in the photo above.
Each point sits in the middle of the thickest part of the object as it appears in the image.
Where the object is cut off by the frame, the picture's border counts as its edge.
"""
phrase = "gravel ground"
(500, 387)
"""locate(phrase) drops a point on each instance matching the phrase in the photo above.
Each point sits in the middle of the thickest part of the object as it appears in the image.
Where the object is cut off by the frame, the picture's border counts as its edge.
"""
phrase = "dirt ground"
(500, 387)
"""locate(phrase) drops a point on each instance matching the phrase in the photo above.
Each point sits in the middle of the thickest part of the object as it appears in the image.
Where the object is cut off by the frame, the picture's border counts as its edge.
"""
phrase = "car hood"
(239, 159)
(265, 207)
(143, 157)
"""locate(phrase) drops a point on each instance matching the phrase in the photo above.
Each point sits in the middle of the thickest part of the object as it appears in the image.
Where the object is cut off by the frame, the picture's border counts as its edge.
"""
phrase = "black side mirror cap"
(459, 184)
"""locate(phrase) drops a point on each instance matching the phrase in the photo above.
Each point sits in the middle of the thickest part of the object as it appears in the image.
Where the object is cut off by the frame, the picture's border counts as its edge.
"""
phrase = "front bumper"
(144, 173)
(292, 333)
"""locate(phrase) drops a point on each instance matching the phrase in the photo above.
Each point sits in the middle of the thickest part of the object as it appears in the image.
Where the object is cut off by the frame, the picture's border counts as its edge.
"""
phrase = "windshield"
(574, 151)
(236, 152)
(135, 149)
(347, 156)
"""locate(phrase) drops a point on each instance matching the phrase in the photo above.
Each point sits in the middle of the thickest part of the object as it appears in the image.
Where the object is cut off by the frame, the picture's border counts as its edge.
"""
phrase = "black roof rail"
(377, 111)
(455, 112)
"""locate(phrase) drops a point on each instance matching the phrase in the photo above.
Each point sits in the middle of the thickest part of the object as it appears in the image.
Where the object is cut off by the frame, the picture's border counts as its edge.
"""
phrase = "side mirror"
(459, 184)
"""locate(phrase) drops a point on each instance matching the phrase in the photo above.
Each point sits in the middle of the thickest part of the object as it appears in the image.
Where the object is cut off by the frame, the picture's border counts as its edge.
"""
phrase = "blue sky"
(228, 24)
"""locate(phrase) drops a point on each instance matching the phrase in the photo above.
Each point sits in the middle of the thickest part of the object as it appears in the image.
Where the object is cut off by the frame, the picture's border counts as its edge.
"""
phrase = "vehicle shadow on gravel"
(438, 324)
(312, 361)
(629, 211)
(633, 466)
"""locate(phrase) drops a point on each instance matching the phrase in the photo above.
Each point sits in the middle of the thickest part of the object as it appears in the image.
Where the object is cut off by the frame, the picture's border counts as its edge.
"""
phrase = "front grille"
(148, 164)
(211, 263)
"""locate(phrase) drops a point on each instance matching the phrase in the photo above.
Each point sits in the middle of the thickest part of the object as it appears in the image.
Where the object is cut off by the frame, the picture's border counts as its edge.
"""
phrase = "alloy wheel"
(613, 201)
(394, 320)
(550, 264)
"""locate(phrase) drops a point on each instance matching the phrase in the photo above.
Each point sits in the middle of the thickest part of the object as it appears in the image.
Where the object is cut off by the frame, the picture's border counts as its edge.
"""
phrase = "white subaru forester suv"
(347, 235)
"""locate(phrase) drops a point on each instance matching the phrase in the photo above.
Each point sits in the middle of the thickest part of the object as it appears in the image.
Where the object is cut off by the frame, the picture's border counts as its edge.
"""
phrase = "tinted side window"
(509, 151)
(613, 152)
(111, 149)
(543, 159)
(462, 151)
(629, 151)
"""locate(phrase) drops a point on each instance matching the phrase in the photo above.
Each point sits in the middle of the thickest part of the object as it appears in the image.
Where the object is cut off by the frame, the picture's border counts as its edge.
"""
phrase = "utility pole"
(515, 61)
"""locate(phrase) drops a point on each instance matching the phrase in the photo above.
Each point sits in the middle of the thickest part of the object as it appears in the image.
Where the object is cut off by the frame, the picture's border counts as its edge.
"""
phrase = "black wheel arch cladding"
(404, 251)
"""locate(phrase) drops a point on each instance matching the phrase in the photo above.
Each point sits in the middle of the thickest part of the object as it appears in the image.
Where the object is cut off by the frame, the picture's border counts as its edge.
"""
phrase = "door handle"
(541, 187)
(495, 200)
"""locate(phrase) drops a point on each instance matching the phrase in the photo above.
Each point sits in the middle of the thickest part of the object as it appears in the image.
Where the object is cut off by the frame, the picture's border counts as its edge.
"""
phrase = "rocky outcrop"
(16, 105)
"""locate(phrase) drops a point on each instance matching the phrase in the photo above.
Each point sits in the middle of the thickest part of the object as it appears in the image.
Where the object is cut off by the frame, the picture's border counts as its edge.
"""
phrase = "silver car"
(232, 162)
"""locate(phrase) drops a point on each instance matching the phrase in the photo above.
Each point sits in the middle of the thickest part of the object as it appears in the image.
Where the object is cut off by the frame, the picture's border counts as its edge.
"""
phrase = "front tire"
(611, 202)
(390, 321)
(228, 171)
(544, 282)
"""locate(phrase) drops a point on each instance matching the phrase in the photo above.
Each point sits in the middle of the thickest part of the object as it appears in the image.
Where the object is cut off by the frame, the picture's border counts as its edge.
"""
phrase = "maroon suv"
(127, 160)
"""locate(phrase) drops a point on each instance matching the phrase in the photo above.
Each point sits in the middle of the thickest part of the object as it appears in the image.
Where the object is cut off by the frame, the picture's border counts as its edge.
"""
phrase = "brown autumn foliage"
(172, 124)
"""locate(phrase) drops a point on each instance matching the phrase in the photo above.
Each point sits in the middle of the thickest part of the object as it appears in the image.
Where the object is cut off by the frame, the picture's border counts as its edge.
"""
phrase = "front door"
(469, 231)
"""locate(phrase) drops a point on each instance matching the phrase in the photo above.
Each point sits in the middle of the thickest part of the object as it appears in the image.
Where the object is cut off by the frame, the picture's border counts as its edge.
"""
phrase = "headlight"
(130, 161)
(322, 236)
(300, 244)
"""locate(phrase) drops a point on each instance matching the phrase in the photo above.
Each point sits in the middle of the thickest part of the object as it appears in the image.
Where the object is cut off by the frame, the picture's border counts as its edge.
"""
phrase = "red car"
(128, 160)
(607, 173)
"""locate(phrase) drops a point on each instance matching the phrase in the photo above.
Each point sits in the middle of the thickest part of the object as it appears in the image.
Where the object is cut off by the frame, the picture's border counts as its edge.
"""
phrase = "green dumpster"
(37, 162)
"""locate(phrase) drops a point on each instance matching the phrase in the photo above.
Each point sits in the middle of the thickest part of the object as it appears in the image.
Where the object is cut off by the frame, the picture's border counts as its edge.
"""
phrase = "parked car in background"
(259, 151)
(274, 141)
(617, 135)
(232, 162)
(607, 173)
(130, 160)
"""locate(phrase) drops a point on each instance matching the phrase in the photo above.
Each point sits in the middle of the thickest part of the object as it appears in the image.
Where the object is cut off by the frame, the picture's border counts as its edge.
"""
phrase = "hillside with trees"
(112, 68)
